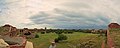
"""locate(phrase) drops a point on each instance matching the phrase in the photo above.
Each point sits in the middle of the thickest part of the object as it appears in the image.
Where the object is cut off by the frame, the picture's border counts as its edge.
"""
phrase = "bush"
(48, 31)
(70, 32)
(56, 40)
(62, 37)
(42, 32)
(65, 32)
(59, 31)
(36, 36)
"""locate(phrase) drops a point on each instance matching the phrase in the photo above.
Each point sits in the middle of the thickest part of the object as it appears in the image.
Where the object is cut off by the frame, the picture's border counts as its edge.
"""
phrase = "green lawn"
(74, 40)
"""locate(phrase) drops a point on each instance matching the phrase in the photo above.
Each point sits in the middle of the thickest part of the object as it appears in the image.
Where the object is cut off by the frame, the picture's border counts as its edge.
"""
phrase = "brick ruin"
(27, 32)
(11, 31)
(30, 33)
(9, 35)
(114, 25)
(16, 38)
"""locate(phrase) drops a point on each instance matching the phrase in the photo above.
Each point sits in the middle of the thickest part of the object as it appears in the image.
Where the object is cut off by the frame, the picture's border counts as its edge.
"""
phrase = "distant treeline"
(75, 30)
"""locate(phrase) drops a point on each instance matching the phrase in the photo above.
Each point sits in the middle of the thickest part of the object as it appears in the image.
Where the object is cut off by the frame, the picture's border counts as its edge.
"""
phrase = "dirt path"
(29, 45)
(103, 45)
(110, 42)
(42, 44)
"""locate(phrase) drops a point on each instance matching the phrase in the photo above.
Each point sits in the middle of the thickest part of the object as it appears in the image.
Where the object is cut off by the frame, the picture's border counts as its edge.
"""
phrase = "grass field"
(115, 34)
(74, 40)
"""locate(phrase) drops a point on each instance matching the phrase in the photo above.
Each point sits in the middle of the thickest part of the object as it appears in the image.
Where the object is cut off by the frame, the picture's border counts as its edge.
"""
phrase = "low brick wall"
(19, 46)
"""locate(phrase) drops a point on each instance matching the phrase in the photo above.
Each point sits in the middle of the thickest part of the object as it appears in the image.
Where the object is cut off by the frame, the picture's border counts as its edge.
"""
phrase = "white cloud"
(19, 12)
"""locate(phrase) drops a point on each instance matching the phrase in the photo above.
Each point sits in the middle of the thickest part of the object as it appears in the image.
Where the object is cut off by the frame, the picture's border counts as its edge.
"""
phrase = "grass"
(73, 40)
(43, 41)
(115, 34)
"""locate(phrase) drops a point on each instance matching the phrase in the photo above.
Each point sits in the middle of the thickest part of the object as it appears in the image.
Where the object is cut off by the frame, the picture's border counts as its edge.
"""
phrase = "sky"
(66, 14)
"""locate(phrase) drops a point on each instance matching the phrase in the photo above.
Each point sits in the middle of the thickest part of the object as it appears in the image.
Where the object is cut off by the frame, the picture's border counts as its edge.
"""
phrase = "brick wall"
(114, 25)
(19, 46)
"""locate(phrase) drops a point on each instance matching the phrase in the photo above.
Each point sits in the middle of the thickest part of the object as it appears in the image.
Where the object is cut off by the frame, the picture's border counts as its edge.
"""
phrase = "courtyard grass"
(73, 40)
(115, 35)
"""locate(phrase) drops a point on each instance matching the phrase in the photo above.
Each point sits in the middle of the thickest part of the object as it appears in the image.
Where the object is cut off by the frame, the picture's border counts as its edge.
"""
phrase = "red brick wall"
(114, 25)
(19, 46)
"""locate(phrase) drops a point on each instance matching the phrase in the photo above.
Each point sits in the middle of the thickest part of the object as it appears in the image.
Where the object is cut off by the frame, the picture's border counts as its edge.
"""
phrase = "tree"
(36, 36)
(59, 32)
(42, 32)
(61, 37)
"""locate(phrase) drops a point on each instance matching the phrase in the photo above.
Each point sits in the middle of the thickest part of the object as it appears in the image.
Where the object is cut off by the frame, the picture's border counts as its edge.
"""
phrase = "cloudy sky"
(71, 14)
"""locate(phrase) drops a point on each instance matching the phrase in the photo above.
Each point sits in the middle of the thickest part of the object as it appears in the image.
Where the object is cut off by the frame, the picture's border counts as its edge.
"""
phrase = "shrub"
(61, 37)
(48, 31)
(36, 36)
(56, 40)
(59, 32)
(65, 32)
(70, 32)
(42, 32)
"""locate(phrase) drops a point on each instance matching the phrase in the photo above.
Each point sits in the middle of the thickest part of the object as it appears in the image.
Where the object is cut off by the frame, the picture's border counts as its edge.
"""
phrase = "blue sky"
(68, 14)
